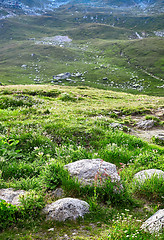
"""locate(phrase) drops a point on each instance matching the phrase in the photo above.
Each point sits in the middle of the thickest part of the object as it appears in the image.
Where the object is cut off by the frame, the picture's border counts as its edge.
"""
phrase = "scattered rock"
(11, 196)
(51, 229)
(116, 125)
(62, 76)
(147, 174)
(24, 66)
(155, 223)
(87, 169)
(105, 78)
(66, 209)
(160, 137)
(78, 74)
(145, 124)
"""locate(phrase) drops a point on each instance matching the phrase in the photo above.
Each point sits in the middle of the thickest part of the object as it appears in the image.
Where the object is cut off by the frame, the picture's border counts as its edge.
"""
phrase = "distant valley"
(112, 45)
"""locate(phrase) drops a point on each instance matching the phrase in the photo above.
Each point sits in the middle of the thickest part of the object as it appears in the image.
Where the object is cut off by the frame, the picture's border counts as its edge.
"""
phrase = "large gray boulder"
(66, 209)
(155, 223)
(11, 196)
(146, 124)
(147, 174)
(88, 171)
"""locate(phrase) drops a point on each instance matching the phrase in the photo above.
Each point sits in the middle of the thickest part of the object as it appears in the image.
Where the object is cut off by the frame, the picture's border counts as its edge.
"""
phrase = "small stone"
(51, 229)
(116, 125)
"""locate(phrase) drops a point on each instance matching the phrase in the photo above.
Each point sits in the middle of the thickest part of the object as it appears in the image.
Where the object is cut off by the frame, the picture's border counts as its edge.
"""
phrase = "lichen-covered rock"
(155, 223)
(87, 170)
(146, 124)
(66, 209)
(147, 174)
(11, 196)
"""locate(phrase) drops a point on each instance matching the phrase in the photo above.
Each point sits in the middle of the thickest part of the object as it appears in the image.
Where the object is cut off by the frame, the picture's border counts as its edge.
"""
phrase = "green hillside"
(101, 50)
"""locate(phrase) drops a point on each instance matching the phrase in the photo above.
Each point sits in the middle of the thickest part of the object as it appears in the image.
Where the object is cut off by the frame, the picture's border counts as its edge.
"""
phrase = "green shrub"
(67, 97)
(19, 170)
(8, 149)
(114, 154)
(32, 203)
(35, 183)
(151, 188)
(8, 214)
(158, 141)
(53, 175)
(107, 191)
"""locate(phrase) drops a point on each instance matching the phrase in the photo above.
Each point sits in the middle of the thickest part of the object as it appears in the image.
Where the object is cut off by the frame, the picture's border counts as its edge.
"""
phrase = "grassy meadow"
(45, 127)
(45, 124)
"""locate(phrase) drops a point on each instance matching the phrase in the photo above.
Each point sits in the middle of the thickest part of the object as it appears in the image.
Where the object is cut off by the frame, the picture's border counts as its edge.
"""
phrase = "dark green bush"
(53, 175)
(32, 203)
(152, 188)
(8, 214)
(19, 170)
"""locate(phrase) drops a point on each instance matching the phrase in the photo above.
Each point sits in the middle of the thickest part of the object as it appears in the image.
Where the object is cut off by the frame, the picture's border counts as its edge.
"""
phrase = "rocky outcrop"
(147, 174)
(66, 209)
(11, 196)
(89, 170)
(155, 223)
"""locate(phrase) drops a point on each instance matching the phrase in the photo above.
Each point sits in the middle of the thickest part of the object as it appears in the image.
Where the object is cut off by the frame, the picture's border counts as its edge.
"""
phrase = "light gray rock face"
(87, 170)
(155, 223)
(149, 173)
(11, 196)
(66, 209)
(145, 124)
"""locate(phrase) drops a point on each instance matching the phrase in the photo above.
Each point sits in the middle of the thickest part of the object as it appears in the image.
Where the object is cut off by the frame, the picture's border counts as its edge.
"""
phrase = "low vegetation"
(45, 127)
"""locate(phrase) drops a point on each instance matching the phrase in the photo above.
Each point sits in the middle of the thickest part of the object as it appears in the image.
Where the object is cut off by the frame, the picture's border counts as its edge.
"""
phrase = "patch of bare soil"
(147, 134)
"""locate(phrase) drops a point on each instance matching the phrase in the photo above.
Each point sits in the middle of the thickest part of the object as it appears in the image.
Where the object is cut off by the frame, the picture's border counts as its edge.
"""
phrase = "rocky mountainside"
(56, 3)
